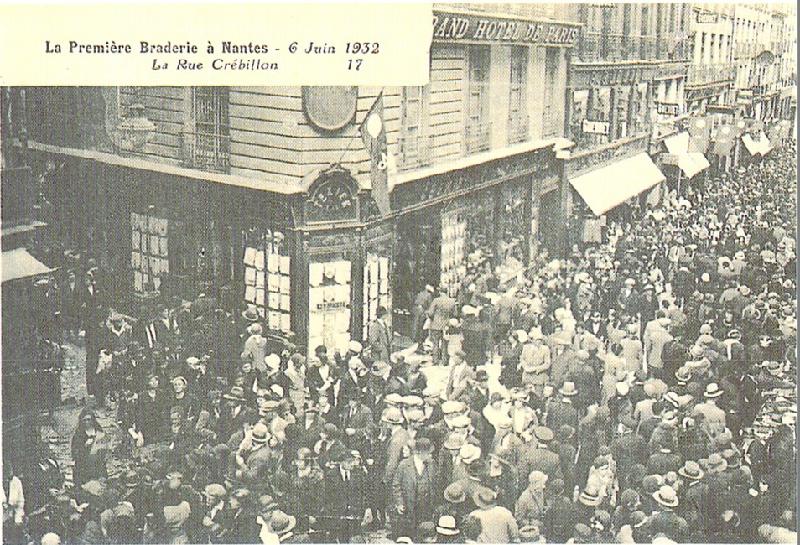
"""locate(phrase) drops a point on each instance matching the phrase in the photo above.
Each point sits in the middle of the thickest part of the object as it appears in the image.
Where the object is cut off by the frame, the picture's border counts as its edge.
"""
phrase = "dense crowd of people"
(639, 390)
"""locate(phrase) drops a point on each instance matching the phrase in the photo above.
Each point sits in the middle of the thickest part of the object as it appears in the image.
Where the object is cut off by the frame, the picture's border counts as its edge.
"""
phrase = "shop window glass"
(376, 288)
(267, 277)
(149, 251)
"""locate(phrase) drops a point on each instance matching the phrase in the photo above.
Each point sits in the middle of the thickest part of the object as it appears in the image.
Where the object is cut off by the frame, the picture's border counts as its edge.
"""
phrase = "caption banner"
(210, 44)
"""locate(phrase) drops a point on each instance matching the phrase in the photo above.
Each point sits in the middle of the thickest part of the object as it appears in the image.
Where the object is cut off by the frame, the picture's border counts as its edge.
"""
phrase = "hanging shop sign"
(667, 108)
(596, 127)
(460, 27)
(707, 18)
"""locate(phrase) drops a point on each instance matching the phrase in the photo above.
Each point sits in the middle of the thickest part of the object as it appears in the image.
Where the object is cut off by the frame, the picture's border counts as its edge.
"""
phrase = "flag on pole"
(373, 135)
(699, 133)
(724, 140)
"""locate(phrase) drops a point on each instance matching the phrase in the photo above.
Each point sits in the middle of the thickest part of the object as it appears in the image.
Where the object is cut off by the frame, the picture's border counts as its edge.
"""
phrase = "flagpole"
(356, 135)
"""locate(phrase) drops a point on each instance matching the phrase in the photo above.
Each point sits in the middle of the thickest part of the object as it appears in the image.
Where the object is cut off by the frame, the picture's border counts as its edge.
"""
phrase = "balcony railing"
(414, 151)
(478, 137)
(710, 73)
(207, 151)
(597, 46)
(518, 128)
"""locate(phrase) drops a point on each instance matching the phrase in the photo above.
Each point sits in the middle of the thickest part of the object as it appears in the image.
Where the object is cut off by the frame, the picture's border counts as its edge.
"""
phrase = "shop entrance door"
(550, 224)
(417, 263)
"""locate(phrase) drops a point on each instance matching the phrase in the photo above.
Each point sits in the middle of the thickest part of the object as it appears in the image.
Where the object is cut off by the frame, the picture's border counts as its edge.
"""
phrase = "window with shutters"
(478, 127)
(412, 143)
(550, 99)
(517, 110)
(208, 146)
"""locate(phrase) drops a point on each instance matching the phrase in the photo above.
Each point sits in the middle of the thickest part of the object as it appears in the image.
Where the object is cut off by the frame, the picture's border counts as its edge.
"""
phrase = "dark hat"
(423, 444)
(454, 493)
(481, 375)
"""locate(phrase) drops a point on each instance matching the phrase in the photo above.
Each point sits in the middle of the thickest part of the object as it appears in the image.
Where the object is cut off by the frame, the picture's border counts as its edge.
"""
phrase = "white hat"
(522, 335)
(469, 453)
(429, 288)
(354, 346)
(273, 360)
(460, 421)
(469, 310)
(452, 407)
(623, 388)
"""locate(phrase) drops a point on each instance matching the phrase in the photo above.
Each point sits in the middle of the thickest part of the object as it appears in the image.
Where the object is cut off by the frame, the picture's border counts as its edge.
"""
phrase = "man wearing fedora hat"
(415, 489)
(498, 524)
(665, 520)
(564, 411)
(713, 416)
(531, 503)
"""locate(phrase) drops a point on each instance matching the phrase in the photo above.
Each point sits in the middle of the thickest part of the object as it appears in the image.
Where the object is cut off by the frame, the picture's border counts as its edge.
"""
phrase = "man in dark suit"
(415, 489)
(542, 458)
(357, 423)
(345, 492)
(379, 336)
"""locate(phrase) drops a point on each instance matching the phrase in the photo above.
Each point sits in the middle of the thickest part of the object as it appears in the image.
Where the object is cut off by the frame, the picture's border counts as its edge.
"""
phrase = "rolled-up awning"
(610, 185)
(690, 163)
(19, 263)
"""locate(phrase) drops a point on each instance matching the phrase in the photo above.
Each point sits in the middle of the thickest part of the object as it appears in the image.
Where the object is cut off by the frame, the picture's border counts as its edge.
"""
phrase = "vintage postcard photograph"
(399, 273)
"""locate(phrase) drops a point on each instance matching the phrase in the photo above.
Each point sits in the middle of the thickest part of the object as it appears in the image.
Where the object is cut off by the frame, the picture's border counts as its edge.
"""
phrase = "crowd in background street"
(638, 390)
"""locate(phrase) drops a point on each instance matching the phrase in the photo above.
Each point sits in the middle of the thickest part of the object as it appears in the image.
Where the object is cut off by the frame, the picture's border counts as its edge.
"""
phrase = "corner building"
(259, 196)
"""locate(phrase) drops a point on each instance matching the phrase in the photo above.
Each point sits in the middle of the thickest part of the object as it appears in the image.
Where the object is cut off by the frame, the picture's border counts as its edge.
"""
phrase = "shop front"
(611, 182)
(485, 216)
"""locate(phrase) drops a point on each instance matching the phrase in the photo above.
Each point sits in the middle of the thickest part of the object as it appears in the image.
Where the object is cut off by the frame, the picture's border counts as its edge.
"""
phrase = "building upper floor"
(489, 89)
(630, 31)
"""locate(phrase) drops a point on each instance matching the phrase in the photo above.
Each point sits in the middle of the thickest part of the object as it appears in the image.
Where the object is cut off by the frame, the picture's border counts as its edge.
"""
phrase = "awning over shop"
(608, 186)
(756, 147)
(690, 163)
(19, 263)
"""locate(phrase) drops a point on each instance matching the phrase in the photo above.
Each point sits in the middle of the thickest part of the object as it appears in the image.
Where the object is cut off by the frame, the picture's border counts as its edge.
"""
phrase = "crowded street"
(641, 389)
(546, 294)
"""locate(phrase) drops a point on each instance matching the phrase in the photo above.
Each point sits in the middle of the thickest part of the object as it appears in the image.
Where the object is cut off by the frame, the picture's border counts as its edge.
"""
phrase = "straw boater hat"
(713, 391)
(666, 496)
(691, 470)
(281, 523)
(392, 415)
(716, 463)
(590, 497)
(447, 526)
(469, 453)
(568, 389)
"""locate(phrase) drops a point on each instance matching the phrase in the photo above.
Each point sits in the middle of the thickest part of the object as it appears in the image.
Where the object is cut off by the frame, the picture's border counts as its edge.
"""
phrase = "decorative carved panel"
(332, 197)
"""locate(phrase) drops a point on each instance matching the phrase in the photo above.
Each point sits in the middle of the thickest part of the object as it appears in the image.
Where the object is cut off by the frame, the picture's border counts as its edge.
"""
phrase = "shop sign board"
(467, 27)
(667, 108)
(707, 18)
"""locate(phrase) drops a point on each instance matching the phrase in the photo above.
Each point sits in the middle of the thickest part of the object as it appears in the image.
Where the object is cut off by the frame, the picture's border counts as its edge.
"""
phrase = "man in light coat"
(441, 310)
